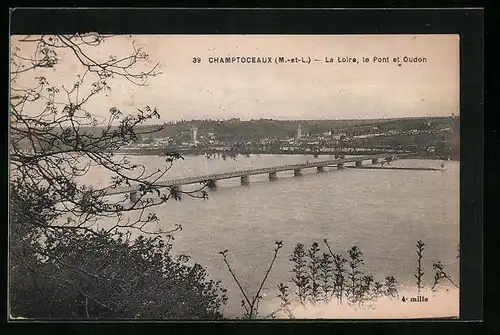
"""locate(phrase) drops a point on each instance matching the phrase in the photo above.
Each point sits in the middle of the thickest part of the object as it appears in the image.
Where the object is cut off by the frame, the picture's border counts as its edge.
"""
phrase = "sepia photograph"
(224, 177)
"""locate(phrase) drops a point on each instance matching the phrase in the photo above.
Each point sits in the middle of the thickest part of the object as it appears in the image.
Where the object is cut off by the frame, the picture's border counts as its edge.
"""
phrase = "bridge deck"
(241, 173)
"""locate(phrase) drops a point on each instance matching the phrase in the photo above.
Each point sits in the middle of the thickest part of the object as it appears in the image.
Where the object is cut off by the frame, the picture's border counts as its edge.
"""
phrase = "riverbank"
(222, 154)
(235, 152)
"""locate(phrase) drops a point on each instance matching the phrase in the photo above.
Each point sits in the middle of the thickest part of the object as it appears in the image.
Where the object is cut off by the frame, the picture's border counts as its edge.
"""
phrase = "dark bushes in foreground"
(101, 274)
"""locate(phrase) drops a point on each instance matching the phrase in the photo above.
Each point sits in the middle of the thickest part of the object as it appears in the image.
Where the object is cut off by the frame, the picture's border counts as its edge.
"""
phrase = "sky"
(323, 89)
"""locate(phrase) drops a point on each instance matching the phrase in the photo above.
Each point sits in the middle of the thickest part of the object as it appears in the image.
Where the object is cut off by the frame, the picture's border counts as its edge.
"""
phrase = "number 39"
(196, 60)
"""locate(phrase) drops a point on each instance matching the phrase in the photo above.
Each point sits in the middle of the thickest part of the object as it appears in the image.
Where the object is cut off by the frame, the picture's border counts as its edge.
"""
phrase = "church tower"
(299, 133)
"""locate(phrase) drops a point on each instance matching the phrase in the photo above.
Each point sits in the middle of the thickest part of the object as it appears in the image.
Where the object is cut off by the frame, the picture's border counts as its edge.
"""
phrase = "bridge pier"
(359, 163)
(340, 165)
(134, 196)
(273, 176)
(375, 161)
(320, 169)
(297, 172)
(245, 180)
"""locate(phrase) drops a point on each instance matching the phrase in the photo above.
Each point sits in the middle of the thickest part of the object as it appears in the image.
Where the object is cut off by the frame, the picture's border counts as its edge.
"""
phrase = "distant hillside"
(235, 130)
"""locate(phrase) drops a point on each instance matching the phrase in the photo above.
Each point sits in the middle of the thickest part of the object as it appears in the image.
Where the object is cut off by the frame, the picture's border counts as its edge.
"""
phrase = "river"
(383, 212)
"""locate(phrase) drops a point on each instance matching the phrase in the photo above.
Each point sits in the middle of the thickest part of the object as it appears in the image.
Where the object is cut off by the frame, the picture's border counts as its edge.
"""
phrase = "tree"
(54, 141)
(105, 274)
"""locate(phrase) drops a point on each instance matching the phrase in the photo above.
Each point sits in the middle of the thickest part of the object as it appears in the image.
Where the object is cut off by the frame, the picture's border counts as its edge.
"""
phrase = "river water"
(383, 212)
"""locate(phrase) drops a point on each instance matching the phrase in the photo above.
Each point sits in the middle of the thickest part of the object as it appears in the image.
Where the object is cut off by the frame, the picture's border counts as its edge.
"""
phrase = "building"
(194, 134)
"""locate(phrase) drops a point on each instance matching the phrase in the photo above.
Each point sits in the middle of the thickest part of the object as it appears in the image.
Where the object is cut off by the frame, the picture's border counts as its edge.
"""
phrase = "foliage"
(391, 289)
(322, 278)
(251, 305)
(326, 277)
(285, 304)
(53, 121)
(354, 285)
(108, 275)
(211, 184)
(60, 266)
(419, 273)
(313, 266)
(440, 274)
(301, 276)
(247, 130)
(337, 278)
(338, 273)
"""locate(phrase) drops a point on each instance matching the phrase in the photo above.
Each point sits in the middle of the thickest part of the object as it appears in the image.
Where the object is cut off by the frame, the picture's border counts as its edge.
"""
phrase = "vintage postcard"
(202, 177)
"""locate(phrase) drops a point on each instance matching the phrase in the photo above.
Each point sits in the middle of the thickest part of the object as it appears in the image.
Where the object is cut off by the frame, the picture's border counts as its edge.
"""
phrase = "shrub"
(109, 275)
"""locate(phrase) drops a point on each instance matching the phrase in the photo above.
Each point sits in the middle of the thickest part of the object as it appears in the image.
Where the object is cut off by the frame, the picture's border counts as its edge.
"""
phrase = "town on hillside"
(431, 137)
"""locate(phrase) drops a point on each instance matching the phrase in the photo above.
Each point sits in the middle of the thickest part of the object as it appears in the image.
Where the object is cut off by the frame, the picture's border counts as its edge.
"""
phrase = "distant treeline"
(237, 131)
(234, 130)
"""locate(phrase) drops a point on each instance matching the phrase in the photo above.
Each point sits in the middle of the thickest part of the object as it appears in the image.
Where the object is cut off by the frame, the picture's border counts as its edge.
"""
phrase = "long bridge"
(244, 175)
